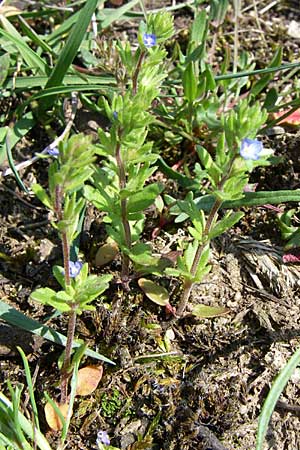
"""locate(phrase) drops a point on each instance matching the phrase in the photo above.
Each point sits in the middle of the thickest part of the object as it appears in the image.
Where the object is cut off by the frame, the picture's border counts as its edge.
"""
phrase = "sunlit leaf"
(106, 253)
(206, 312)
(154, 292)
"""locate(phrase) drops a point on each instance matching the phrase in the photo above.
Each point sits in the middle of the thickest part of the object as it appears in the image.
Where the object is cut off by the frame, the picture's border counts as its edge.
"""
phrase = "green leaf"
(99, 199)
(265, 80)
(207, 312)
(4, 66)
(26, 425)
(199, 27)
(16, 318)
(190, 83)
(140, 253)
(30, 388)
(143, 199)
(203, 266)
(273, 396)
(251, 199)
(13, 136)
(208, 163)
(90, 289)
(154, 292)
(58, 300)
(111, 15)
(42, 295)
(42, 195)
(70, 49)
(228, 221)
(189, 254)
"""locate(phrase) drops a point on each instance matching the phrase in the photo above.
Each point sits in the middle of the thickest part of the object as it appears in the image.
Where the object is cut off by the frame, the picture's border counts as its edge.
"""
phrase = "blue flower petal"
(102, 438)
(251, 149)
(75, 268)
(53, 151)
(149, 40)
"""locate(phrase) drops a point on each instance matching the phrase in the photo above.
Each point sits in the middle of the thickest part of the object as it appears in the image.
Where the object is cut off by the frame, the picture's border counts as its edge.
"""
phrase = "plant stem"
(65, 244)
(68, 351)
(125, 221)
(188, 284)
(72, 315)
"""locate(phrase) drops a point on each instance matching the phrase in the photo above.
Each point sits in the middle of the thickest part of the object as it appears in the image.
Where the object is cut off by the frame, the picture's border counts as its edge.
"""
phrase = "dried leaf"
(154, 292)
(205, 312)
(88, 379)
(106, 254)
(52, 418)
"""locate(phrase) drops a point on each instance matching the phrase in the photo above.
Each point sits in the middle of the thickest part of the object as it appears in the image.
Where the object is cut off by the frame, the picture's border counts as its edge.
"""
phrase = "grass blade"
(16, 318)
(11, 161)
(273, 396)
(70, 49)
(32, 59)
(111, 15)
(30, 388)
(26, 425)
(34, 37)
(29, 82)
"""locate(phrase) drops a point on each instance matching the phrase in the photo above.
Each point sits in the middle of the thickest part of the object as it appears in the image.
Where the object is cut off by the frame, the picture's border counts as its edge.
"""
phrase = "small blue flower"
(149, 40)
(102, 438)
(251, 149)
(53, 151)
(75, 268)
(115, 115)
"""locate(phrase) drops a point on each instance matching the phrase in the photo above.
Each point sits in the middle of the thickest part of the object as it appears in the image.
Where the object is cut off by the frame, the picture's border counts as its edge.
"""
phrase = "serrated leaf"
(154, 292)
(143, 199)
(43, 295)
(58, 273)
(206, 312)
(225, 224)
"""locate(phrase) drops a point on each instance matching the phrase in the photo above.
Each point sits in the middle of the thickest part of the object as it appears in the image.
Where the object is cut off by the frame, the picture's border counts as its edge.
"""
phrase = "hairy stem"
(65, 374)
(72, 316)
(125, 221)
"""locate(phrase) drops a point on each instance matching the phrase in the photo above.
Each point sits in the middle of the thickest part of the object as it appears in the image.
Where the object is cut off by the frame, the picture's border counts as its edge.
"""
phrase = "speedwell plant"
(236, 154)
(119, 184)
(71, 167)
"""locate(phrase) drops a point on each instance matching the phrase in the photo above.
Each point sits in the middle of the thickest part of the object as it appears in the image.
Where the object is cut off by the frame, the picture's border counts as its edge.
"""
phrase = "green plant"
(119, 185)
(276, 389)
(17, 431)
(110, 405)
(67, 175)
